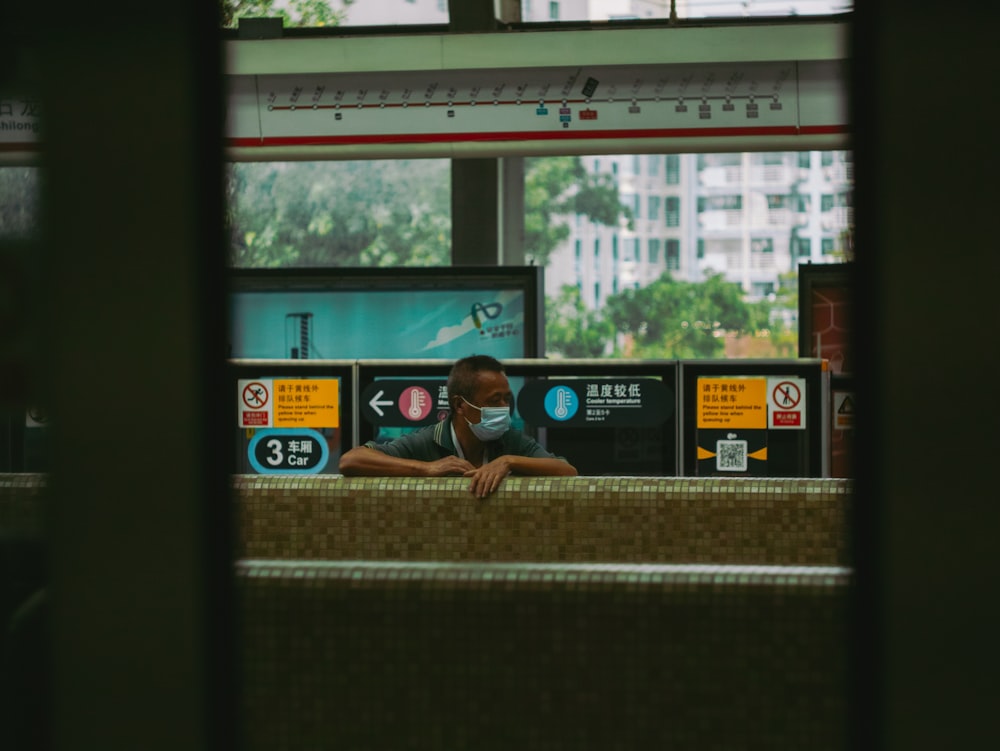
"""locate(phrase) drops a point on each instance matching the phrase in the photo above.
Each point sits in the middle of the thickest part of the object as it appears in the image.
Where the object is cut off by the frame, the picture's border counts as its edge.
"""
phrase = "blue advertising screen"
(309, 318)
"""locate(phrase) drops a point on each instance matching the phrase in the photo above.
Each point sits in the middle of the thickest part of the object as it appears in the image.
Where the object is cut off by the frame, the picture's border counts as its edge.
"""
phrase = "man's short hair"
(463, 378)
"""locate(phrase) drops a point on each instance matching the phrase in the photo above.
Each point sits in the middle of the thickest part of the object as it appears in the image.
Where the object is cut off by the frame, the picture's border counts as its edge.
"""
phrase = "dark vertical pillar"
(133, 352)
(486, 228)
(512, 211)
(475, 217)
(487, 212)
(472, 15)
(926, 520)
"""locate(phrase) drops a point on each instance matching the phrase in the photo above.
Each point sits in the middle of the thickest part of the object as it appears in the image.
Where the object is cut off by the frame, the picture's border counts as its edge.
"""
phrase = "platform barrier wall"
(559, 613)
(753, 521)
(399, 656)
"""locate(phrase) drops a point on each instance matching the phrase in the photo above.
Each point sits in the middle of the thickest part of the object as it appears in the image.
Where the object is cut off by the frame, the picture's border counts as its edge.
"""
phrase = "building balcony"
(762, 175)
(839, 173)
(732, 262)
(837, 219)
(759, 219)
(773, 175)
(725, 219)
(720, 177)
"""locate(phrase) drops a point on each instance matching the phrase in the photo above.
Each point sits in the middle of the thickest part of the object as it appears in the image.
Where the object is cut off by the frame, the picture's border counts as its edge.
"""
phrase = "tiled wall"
(565, 657)
(758, 521)
(542, 617)
(559, 614)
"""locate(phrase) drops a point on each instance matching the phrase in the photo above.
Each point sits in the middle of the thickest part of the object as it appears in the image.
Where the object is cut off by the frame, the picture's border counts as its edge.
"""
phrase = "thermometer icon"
(416, 404)
(562, 404)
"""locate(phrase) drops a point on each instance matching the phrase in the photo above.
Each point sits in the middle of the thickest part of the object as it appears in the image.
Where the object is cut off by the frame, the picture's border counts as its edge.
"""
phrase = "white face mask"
(495, 421)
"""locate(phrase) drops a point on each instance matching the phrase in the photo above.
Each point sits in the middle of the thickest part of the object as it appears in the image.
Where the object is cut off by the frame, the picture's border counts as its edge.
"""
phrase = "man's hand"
(448, 465)
(486, 478)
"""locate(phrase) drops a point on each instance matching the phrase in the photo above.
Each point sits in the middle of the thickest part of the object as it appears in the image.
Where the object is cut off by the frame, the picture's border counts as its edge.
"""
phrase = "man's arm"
(538, 466)
(363, 461)
(487, 478)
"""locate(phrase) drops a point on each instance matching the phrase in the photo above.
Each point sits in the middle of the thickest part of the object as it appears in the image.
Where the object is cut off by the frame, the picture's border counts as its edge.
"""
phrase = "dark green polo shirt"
(434, 442)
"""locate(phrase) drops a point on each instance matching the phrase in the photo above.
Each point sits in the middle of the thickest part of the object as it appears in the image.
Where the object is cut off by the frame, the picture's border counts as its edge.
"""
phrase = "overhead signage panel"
(635, 101)
(780, 98)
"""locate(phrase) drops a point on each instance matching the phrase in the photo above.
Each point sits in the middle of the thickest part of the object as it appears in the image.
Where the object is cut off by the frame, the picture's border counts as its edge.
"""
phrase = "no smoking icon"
(787, 395)
(255, 395)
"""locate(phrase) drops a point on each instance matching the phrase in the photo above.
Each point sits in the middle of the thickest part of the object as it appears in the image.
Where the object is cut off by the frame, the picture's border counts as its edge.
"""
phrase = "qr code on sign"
(731, 456)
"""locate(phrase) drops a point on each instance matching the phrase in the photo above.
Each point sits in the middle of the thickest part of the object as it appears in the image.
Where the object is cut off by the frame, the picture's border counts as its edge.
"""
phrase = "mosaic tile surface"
(560, 613)
(633, 520)
(582, 519)
(402, 656)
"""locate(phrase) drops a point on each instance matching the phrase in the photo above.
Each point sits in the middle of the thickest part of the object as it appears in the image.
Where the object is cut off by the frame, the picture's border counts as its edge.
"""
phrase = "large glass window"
(397, 213)
(621, 10)
(370, 213)
(673, 211)
(673, 255)
(747, 237)
(654, 250)
(654, 207)
(632, 249)
(329, 13)
(673, 169)
(634, 203)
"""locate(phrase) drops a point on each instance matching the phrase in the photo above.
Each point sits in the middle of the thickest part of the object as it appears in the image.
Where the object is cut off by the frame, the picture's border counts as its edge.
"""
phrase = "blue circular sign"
(561, 403)
(288, 451)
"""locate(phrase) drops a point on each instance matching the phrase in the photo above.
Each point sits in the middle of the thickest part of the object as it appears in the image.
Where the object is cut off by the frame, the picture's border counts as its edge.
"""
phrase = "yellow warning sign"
(843, 410)
(732, 403)
(307, 403)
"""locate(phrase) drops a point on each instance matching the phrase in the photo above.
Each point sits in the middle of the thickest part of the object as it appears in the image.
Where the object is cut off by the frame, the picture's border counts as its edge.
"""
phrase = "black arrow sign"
(412, 402)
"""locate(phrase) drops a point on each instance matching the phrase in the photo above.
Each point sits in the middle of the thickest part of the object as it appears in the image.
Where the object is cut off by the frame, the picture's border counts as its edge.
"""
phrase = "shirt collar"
(455, 441)
(457, 447)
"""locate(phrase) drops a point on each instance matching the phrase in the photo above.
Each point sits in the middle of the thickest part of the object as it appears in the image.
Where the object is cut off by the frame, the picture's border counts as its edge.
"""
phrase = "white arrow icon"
(374, 403)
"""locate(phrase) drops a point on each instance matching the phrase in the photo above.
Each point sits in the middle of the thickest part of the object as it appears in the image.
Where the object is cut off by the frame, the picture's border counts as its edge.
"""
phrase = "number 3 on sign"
(276, 457)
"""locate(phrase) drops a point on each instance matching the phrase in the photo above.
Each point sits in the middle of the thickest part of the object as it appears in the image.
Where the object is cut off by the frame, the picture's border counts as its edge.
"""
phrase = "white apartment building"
(750, 216)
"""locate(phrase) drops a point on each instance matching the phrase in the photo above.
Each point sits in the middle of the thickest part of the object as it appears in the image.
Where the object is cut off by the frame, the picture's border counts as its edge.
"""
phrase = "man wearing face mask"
(475, 441)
